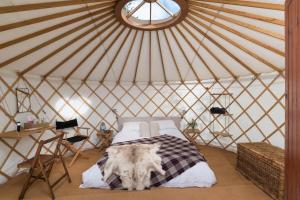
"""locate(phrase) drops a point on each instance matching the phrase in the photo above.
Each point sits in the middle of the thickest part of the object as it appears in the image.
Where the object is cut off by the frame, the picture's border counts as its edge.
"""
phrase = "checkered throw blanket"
(177, 156)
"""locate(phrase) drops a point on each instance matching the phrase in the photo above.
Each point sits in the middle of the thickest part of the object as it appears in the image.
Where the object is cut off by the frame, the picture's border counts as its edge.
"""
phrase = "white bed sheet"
(199, 175)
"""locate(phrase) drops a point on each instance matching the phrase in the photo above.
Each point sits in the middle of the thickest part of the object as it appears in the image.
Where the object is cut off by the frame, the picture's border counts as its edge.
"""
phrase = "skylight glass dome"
(151, 14)
(156, 11)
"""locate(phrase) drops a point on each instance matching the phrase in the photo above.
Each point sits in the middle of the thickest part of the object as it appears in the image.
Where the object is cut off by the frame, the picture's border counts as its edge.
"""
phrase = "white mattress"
(199, 175)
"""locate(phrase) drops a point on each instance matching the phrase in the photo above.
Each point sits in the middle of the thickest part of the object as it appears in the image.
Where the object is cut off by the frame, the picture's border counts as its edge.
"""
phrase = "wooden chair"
(40, 166)
(70, 141)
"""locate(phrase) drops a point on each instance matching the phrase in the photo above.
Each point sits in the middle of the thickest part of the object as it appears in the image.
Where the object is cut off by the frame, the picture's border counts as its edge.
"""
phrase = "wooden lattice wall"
(257, 106)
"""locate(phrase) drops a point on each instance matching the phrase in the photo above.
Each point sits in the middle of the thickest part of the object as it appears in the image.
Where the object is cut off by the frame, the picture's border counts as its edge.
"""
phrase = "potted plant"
(192, 124)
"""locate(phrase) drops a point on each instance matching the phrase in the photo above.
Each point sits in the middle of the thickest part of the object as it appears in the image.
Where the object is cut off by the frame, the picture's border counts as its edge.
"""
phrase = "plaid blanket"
(177, 156)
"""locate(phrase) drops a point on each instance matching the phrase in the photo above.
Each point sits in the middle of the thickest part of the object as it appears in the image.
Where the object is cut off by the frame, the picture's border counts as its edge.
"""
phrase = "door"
(293, 100)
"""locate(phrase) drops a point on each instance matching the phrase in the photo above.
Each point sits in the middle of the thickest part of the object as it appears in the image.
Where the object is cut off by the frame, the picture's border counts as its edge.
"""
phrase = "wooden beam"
(185, 56)
(52, 16)
(150, 57)
(105, 52)
(139, 57)
(270, 6)
(209, 51)
(93, 50)
(243, 64)
(239, 23)
(116, 55)
(135, 9)
(43, 59)
(173, 57)
(165, 9)
(127, 57)
(197, 53)
(48, 42)
(240, 34)
(161, 57)
(56, 67)
(52, 28)
(239, 13)
(244, 49)
(37, 6)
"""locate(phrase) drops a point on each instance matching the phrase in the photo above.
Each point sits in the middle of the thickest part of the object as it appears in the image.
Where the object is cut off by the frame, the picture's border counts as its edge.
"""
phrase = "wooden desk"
(26, 132)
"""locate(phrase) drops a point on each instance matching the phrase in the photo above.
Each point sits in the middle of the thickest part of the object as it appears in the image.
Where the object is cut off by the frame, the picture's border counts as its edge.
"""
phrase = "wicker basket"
(263, 164)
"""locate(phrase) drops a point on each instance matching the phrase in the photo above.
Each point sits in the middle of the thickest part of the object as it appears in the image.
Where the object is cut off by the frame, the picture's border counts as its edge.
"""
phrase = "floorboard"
(231, 185)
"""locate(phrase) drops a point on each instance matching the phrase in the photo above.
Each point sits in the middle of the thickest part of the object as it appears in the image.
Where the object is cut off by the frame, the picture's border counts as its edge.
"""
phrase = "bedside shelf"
(191, 135)
(105, 138)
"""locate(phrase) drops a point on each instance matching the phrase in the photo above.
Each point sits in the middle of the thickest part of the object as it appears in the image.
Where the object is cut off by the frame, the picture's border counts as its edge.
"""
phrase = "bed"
(200, 175)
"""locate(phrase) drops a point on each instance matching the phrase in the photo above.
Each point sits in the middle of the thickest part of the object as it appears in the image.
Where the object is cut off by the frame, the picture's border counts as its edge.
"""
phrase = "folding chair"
(40, 166)
(70, 141)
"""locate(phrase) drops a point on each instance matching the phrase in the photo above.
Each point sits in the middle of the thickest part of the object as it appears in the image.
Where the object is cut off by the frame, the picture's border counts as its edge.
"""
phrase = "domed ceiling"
(162, 40)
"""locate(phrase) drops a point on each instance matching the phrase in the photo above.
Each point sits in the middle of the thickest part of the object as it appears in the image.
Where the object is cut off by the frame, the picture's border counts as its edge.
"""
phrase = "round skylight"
(151, 14)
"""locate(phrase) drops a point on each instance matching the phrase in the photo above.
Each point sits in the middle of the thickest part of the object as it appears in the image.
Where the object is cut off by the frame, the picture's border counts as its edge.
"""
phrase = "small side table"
(105, 138)
(191, 135)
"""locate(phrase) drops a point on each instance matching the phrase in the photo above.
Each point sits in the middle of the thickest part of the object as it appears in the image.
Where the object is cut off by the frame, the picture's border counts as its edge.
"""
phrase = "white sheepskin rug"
(133, 164)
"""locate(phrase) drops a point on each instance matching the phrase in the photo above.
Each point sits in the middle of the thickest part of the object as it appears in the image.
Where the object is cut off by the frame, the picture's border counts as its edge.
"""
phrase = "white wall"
(92, 102)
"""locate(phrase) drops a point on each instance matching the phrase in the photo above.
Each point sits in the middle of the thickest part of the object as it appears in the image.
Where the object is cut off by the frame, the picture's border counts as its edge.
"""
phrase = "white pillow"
(154, 127)
(144, 129)
(131, 126)
(165, 124)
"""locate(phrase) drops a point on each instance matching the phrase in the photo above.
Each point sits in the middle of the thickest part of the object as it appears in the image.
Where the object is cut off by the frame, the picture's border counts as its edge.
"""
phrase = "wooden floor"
(231, 185)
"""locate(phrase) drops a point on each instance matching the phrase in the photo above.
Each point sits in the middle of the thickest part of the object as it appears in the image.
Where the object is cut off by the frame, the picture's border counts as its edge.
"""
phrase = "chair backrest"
(67, 124)
(58, 139)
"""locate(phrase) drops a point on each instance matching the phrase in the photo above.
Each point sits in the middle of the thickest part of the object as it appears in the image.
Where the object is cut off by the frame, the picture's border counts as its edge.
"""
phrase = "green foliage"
(192, 124)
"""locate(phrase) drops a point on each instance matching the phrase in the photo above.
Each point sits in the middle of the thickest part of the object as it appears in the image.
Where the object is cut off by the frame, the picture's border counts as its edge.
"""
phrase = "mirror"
(23, 100)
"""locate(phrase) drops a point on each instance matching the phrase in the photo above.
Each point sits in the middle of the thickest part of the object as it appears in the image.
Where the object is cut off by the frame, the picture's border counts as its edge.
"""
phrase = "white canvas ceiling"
(72, 39)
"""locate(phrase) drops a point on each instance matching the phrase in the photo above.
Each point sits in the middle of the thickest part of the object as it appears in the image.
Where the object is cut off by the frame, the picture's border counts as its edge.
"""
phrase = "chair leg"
(26, 185)
(47, 180)
(65, 150)
(78, 152)
(64, 166)
(74, 158)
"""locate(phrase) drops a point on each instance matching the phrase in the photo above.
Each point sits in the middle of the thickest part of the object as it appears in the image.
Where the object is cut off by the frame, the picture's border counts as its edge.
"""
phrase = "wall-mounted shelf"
(220, 94)
(223, 134)
(220, 123)
(227, 114)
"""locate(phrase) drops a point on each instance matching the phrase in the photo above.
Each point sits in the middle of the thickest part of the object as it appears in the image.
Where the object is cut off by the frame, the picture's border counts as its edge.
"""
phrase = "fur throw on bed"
(133, 164)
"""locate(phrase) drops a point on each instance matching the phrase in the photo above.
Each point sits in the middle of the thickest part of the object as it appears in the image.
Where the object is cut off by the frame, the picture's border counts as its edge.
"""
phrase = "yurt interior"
(149, 99)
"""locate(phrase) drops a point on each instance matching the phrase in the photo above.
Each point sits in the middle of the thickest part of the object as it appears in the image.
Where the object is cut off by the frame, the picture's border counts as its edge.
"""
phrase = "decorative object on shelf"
(105, 138)
(23, 100)
(115, 111)
(102, 127)
(192, 125)
(182, 113)
(18, 126)
(217, 110)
